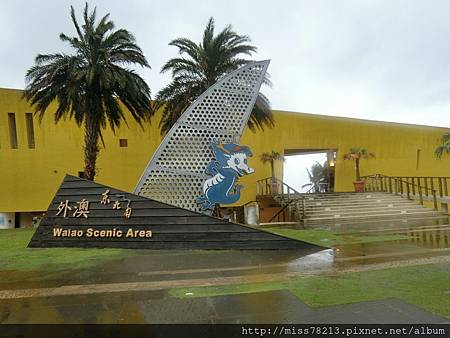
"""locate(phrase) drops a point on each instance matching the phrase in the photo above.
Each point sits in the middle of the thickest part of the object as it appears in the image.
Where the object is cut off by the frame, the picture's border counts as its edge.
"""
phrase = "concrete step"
(335, 196)
(360, 204)
(354, 198)
(344, 195)
(351, 200)
(368, 212)
(313, 213)
(367, 209)
(347, 196)
(396, 228)
(425, 212)
(358, 225)
(354, 206)
(375, 223)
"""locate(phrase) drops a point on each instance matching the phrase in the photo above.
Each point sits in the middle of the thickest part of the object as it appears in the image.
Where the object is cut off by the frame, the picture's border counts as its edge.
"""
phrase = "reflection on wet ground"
(128, 290)
(387, 242)
(148, 266)
(144, 266)
(415, 242)
(158, 307)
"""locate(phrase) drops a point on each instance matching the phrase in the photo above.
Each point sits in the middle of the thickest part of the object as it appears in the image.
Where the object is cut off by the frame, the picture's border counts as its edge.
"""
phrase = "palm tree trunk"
(91, 136)
(272, 167)
(358, 175)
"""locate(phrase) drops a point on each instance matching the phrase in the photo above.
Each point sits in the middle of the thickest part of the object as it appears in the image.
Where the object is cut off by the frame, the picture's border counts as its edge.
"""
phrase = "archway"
(310, 170)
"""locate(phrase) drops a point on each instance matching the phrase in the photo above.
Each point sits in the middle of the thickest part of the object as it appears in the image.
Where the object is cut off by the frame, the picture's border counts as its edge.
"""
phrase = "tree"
(357, 154)
(90, 84)
(318, 175)
(444, 147)
(201, 65)
(271, 157)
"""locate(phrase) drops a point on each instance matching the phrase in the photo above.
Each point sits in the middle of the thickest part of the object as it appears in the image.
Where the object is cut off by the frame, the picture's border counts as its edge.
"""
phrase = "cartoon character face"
(238, 162)
(230, 161)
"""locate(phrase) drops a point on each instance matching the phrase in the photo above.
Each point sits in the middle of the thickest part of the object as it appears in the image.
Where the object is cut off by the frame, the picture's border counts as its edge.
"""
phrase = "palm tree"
(201, 65)
(356, 154)
(271, 157)
(318, 175)
(90, 84)
(444, 147)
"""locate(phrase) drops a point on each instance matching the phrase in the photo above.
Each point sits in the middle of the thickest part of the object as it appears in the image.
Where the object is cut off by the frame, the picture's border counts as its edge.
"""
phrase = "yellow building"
(35, 156)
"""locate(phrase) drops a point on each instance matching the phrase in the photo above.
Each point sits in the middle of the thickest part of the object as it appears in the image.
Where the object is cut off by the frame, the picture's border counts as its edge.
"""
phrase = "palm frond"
(358, 153)
(272, 156)
(199, 66)
(444, 147)
(91, 85)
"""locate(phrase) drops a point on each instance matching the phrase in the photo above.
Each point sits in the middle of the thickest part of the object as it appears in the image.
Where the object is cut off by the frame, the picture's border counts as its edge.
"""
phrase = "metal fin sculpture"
(176, 173)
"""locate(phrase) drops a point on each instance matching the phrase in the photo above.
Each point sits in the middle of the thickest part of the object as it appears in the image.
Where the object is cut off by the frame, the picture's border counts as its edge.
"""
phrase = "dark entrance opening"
(17, 220)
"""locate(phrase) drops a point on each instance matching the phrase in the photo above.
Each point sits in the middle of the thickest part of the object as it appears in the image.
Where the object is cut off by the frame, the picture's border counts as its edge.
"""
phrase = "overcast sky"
(383, 60)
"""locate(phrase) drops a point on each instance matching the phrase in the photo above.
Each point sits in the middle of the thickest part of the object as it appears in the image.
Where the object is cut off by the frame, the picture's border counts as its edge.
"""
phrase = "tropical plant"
(356, 154)
(90, 84)
(201, 65)
(318, 175)
(272, 157)
(444, 147)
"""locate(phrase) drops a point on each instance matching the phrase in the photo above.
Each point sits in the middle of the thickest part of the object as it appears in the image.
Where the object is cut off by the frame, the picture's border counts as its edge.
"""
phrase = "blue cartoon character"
(229, 164)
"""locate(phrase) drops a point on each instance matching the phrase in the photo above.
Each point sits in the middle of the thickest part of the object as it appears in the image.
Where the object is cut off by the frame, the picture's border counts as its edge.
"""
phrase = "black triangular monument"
(87, 214)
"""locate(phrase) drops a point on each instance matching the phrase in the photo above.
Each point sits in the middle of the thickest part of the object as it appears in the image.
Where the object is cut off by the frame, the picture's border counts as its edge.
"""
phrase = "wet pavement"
(157, 307)
(414, 242)
(145, 266)
(417, 242)
(133, 289)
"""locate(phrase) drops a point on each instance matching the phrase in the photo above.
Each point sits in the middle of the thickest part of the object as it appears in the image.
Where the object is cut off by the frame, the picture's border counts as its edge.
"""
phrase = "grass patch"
(330, 239)
(16, 256)
(423, 286)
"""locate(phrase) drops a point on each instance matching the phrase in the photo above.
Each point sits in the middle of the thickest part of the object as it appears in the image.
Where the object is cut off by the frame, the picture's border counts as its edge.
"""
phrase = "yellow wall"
(30, 177)
(395, 146)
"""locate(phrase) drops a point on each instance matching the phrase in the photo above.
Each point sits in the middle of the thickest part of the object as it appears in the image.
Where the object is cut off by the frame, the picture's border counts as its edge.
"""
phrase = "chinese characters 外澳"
(81, 209)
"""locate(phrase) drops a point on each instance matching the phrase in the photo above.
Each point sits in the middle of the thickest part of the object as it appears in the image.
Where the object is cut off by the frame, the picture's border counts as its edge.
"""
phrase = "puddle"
(401, 243)
(382, 242)
(415, 243)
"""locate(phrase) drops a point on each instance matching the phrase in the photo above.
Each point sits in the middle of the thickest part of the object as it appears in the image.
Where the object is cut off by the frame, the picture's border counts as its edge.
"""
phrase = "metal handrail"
(272, 186)
(266, 187)
(319, 185)
(398, 178)
(281, 210)
(380, 182)
(310, 190)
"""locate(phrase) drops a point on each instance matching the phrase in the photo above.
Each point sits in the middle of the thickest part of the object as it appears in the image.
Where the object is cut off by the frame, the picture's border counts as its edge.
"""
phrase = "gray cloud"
(379, 59)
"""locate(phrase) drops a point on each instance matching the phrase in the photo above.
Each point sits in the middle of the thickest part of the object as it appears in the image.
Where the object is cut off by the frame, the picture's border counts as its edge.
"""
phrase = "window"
(123, 142)
(12, 130)
(417, 159)
(30, 130)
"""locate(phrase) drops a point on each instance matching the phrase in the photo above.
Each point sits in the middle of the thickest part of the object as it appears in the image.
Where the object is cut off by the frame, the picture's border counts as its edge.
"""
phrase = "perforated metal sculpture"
(176, 173)
(229, 164)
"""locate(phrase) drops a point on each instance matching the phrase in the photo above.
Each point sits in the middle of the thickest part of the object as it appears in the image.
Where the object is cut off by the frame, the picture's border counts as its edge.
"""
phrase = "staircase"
(353, 210)
(278, 202)
(345, 210)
